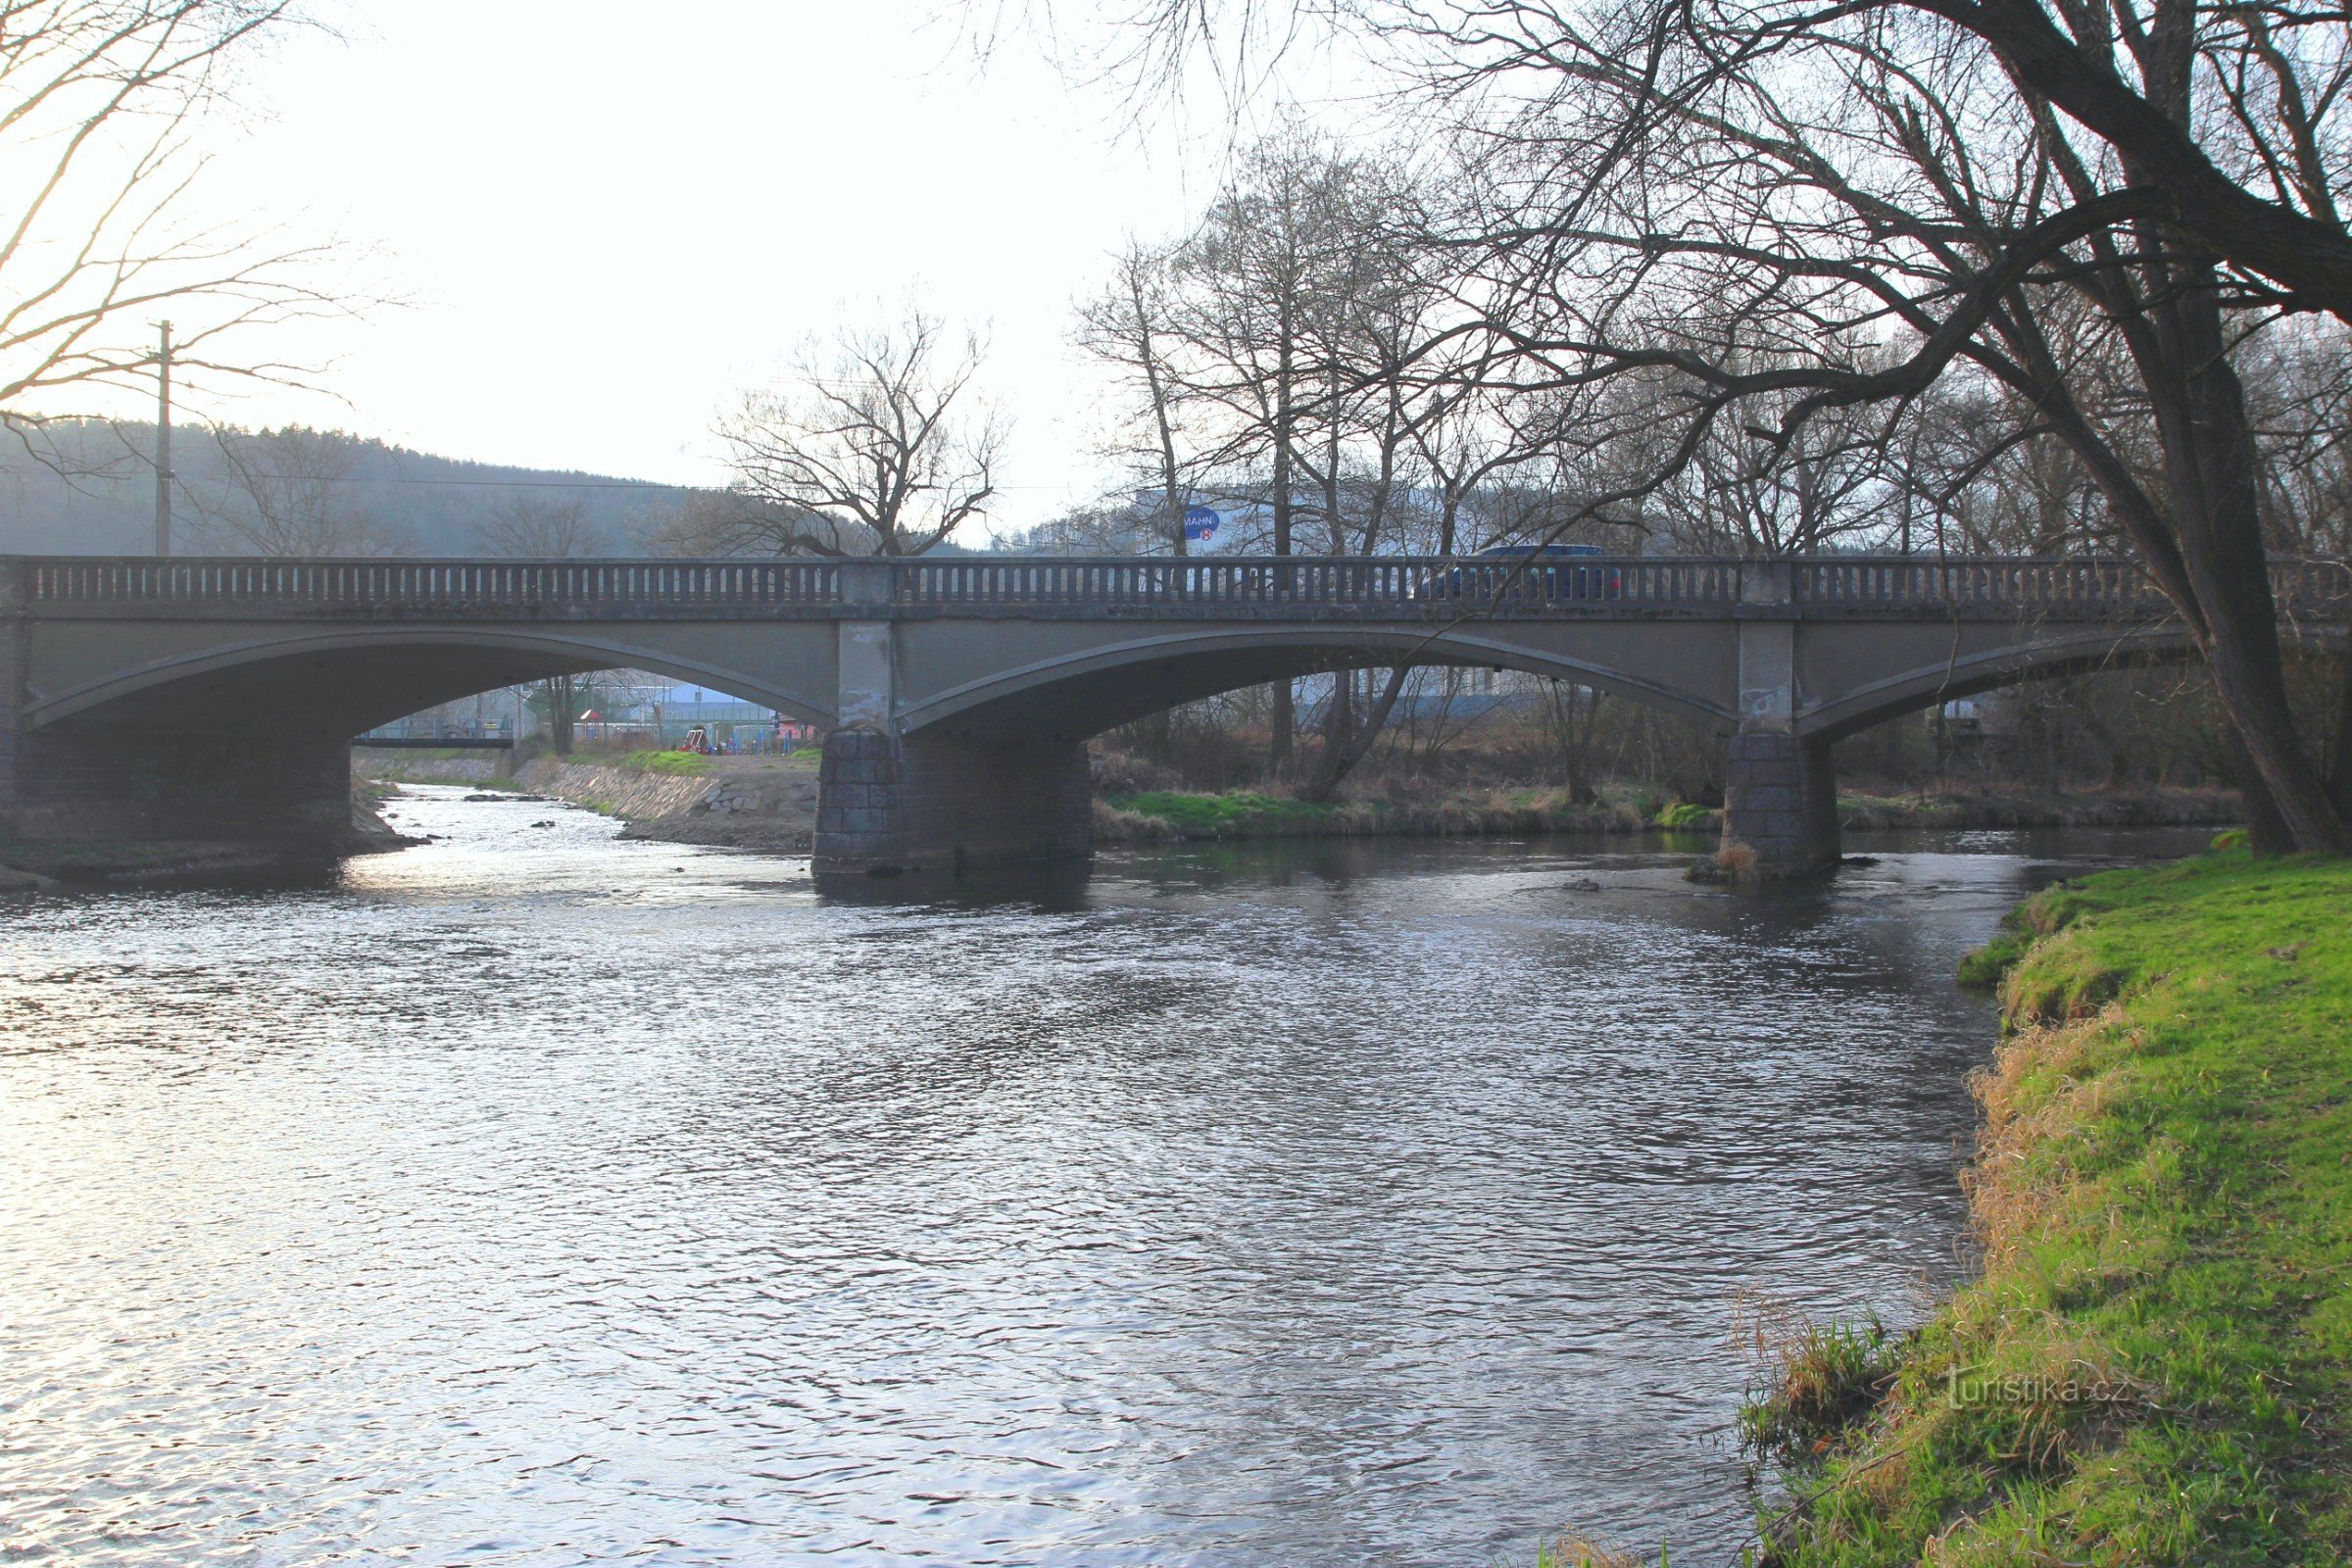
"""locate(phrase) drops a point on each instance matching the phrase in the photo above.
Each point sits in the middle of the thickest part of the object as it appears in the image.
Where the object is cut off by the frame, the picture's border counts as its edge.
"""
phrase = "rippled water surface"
(534, 1198)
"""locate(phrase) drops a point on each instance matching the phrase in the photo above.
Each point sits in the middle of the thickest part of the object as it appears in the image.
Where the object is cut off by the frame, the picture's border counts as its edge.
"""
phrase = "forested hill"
(86, 487)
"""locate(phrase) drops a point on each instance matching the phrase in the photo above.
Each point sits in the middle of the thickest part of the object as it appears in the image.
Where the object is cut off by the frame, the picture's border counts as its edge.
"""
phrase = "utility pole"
(163, 445)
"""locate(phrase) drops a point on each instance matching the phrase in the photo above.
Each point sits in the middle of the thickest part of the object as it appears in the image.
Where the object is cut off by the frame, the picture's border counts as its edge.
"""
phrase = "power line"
(551, 484)
(509, 485)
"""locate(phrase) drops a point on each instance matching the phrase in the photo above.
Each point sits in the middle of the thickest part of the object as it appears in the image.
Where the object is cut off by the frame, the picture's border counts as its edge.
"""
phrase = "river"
(532, 1197)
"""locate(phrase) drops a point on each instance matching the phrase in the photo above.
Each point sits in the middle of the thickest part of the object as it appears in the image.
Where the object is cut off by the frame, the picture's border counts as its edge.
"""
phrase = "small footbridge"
(216, 698)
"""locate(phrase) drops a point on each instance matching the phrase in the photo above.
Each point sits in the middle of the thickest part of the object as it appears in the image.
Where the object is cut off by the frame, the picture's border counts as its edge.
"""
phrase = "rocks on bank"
(750, 802)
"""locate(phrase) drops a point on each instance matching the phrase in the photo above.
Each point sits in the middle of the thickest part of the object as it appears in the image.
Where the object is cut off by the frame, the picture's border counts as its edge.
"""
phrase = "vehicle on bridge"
(1528, 571)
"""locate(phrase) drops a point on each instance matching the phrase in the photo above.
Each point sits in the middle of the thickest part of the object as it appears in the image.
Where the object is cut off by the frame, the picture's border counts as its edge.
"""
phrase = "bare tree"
(289, 492)
(2228, 122)
(99, 105)
(1817, 206)
(1263, 290)
(882, 448)
(547, 531)
(1131, 325)
(541, 528)
(1844, 219)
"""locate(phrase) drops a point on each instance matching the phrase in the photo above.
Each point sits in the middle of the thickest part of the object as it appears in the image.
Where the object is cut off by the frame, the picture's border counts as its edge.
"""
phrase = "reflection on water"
(535, 1197)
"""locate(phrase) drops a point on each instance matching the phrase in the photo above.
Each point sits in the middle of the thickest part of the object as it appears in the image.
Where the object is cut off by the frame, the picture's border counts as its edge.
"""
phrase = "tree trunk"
(1339, 719)
(2211, 462)
(2267, 832)
(1339, 762)
(1278, 745)
(559, 714)
(1578, 730)
(2339, 766)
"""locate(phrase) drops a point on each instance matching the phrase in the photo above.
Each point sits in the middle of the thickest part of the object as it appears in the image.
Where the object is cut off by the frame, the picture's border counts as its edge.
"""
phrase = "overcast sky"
(612, 217)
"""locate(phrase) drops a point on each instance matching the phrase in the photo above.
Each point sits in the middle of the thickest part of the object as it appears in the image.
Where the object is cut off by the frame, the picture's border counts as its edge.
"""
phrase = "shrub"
(1683, 814)
(1819, 1382)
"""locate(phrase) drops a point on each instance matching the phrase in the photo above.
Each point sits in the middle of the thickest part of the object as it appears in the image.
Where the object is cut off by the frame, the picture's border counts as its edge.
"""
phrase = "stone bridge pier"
(1779, 796)
(890, 803)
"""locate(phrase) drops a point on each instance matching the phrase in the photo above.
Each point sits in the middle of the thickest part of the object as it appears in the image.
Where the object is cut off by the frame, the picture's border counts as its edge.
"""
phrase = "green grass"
(685, 764)
(1683, 814)
(1987, 966)
(2154, 1367)
(1825, 1380)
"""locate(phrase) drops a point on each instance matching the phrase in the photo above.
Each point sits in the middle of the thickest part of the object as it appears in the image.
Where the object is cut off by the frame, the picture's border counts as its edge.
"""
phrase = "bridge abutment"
(107, 786)
(94, 785)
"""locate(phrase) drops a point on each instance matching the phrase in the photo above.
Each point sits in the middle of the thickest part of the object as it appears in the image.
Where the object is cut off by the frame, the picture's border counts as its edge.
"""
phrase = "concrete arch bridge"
(217, 698)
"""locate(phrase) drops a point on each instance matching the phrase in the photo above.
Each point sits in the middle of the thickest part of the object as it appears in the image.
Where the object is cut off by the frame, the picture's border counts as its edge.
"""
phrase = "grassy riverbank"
(1622, 809)
(2154, 1366)
(1257, 815)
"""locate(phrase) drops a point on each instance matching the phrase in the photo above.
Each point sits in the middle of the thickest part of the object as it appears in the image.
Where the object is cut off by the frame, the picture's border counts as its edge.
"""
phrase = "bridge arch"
(2085, 650)
(1080, 692)
(348, 680)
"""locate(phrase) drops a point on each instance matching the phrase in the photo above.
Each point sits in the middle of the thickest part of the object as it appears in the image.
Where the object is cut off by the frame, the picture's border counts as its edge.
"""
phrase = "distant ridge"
(95, 494)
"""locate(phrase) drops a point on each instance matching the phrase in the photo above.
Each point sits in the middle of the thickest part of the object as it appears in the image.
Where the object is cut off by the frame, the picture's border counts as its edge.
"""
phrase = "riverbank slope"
(2154, 1366)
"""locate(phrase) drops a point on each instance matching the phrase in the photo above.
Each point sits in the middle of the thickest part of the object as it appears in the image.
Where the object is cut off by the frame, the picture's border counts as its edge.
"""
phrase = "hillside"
(86, 488)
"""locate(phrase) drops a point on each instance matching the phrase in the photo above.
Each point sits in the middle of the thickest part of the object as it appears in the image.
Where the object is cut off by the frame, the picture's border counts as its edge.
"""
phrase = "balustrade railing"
(2022, 585)
(1306, 582)
(1308, 586)
(434, 584)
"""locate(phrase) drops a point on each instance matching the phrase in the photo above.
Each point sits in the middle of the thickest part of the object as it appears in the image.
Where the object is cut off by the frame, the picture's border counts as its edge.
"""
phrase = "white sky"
(611, 217)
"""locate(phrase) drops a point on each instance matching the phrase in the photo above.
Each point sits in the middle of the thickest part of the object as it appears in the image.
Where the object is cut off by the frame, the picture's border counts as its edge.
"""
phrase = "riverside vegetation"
(1138, 801)
(2153, 1366)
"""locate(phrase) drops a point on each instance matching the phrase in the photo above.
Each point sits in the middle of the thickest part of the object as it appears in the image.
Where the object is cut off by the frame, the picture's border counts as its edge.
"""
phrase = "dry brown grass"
(1572, 1550)
(1115, 826)
(2043, 1084)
